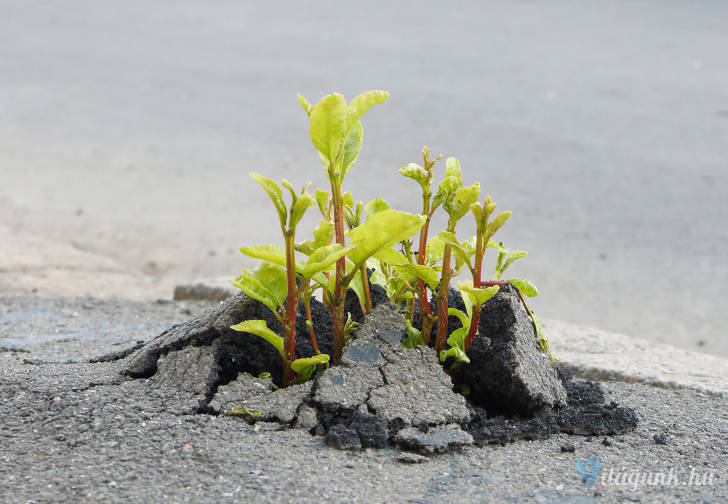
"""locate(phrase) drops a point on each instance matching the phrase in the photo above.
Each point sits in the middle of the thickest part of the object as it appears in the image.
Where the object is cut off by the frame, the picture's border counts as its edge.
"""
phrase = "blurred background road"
(127, 131)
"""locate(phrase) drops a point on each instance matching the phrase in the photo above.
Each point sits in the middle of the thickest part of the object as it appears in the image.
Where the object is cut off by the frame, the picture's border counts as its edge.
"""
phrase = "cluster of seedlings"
(356, 246)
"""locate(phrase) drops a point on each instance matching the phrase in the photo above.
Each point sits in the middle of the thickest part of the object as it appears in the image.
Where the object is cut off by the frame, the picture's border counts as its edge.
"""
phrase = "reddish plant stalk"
(425, 311)
(339, 320)
(289, 343)
(311, 332)
(365, 286)
(442, 302)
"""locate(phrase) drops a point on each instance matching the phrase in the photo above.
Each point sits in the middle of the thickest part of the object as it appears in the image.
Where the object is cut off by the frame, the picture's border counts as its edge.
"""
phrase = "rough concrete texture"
(417, 391)
(434, 440)
(384, 387)
(80, 432)
(602, 355)
(234, 395)
(507, 372)
(212, 289)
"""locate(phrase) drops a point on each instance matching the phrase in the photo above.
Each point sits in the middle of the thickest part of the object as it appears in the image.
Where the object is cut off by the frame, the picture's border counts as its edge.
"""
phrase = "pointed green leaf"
(271, 253)
(451, 183)
(375, 206)
(390, 256)
(267, 283)
(524, 286)
(425, 273)
(464, 197)
(435, 249)
(358, 287)
(464, 319)
(322, 200)
(328, 125)
(322, 235)
(301, 364)
(347, 199)
(418, 174)
(352, 147)
(291, 190)
(463, 256)
(381, 231)
(325, 257)
(307, 107)
(275, 194)
(513, 256)
(499, 220)
(478, 295)
(260, 328)
(364, 102)
(377, 277)
(413, 338)
(303, 203)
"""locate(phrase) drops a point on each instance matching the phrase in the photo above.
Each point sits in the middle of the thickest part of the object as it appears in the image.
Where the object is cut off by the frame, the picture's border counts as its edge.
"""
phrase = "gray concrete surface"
(127, 129)
(75, 432)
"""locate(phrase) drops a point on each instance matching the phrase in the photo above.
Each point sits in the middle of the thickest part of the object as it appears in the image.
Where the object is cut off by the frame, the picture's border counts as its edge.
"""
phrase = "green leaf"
(377, 277)
(347, 199)
(524, 286)
(364, 102)
(390, 256)
(274, 193)
(352, 147)
(451, 183)
(328, 125)
(478, 295)
(375, 206)
(427, 274)
(513, 256)
(499, 220)
(299, 208)
(464, 197)
(267, 283)
(305, 366)
(307, 107)
(291, 190)
(381, 231)
(418, 174)
(260, 328)
(322, 235)
(435, 248)
(358, 287)
(456, 340)
(271, 253)
(463, 255)
(322, 200)
(464, 319)
(244, 412)
(324, 257)
(413, 338)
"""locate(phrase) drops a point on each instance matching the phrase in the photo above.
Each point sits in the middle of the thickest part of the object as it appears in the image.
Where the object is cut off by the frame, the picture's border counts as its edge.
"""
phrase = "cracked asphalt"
(76, 432)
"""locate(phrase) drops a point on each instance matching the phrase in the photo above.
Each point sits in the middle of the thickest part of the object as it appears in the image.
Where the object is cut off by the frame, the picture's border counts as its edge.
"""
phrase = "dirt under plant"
(380, 394)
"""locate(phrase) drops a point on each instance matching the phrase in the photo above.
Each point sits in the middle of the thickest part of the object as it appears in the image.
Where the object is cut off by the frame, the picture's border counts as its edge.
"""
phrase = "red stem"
(289, 343)
(311, 332)
(339, 296)
(442, 302)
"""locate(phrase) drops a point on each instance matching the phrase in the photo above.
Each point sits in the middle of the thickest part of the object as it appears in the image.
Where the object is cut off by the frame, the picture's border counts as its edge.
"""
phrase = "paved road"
(128, 128)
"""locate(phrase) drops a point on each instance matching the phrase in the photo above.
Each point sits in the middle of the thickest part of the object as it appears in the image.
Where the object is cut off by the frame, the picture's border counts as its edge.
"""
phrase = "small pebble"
(568, 448)
(660, 438)
(606, 442)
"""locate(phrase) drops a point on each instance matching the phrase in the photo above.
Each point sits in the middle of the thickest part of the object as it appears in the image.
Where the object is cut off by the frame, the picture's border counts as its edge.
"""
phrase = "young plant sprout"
(334, 266)
(336, 132)
(277, 287)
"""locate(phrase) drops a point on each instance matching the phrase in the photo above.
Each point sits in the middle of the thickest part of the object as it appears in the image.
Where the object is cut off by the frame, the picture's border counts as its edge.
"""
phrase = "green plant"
(336, 133)
(333, 265)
